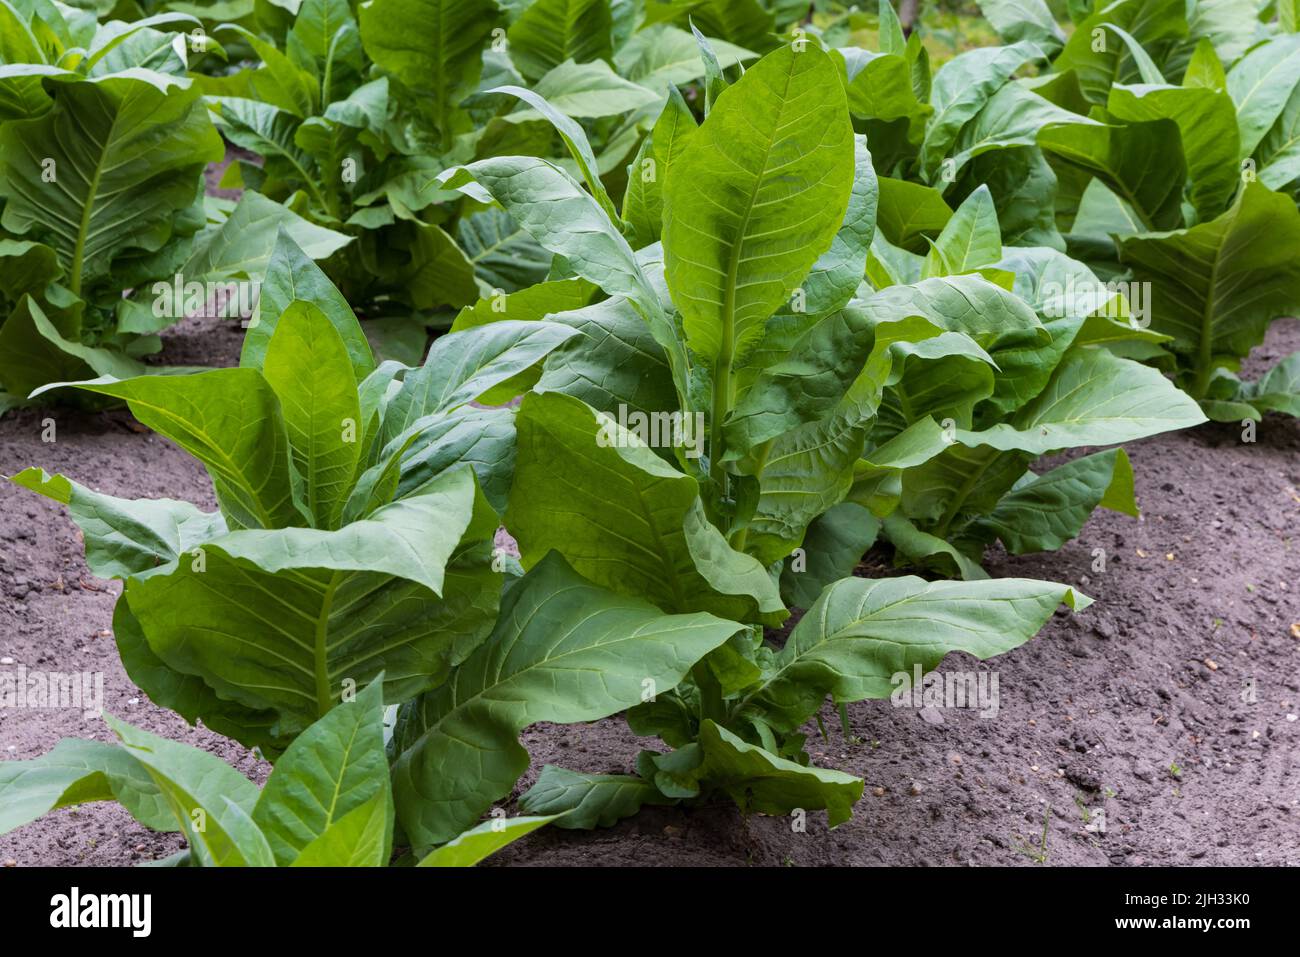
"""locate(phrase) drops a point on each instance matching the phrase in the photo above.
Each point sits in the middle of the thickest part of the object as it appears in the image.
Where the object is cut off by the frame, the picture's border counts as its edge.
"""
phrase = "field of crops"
(647, 432)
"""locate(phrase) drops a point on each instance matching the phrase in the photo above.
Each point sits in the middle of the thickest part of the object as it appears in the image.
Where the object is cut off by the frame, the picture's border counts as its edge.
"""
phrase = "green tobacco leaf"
(755, 198)
(564, 651)
(588, 91)
(1094, 398)
(187, 694)
(575, 140)
(663, 55)
(835, 543)
(909, 211)
(961, 88)
(527, 305)
(360, 838)
(625, 519)
(78, 772)
(480, 842)
(1279, 390)
(28, 357)
(930, 551)
(245, 244)
(549, 32)
(335, 767)
(1207, 126)
(1219, 284)
(503, 253)
(614, 362)
(1153, 24)
(230, 420)
(758, 780)
(1013, 117)
(837, 273)
(587, 801)
(969, 240)
(1046, 511)
(1261, 84)
(462, 366)
(289, 616)
(861, 632)
(308, 366)
(538, 194)
(209, 799)
(1016, 20)
(125, 152)
(643, 203)
(1122, 157)
(434, 47)
(291, 275)
(125, 537)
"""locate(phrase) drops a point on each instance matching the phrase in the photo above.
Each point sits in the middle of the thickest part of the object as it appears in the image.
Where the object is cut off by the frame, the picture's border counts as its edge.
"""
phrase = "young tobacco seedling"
(328, 803)
(739, 332)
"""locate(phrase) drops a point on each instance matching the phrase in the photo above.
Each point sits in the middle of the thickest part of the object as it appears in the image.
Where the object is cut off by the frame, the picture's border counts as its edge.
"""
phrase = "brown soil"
(1135, 705)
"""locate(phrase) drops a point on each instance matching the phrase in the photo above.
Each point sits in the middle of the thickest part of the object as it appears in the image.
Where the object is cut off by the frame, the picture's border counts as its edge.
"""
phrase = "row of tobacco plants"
(725, 298)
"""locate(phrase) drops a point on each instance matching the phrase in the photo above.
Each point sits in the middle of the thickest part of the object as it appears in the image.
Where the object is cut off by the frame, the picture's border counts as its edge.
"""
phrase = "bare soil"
(1140, 705)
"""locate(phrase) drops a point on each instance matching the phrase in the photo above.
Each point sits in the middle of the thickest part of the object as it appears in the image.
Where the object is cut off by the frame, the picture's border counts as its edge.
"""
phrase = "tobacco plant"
(740, 335)
(353, 543)
(327, 803)
(103, 141)
(354, 119)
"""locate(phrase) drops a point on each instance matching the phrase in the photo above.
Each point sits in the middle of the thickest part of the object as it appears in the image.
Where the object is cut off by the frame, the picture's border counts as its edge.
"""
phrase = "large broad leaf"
(210, 800)
(1123, 156)
(434, 47)
(961, 88)
(1016, 20)
(758, 780)
(291, 275)
(1043, 512)
(1217, 286)
(831, 549)
(564, 651)
(230, 420)
(106, 169)
(1101, 59)
(308, 366)
(288, 617)
(126, 536)
(755, 198)
(1207, 125)
(538, 194)
(662, 55)
(549, 32)
(643, 203)
(78, 772)
(862, 632)
(593, 491)
(969, 240)
(1013, 117)
(480, 842)
(1093, 398)
(245, 244)
(1279, 389)
(504, 255)
(838, 272)
(586, 801)
(462, 366)
(1261, 84)
(333, 768)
